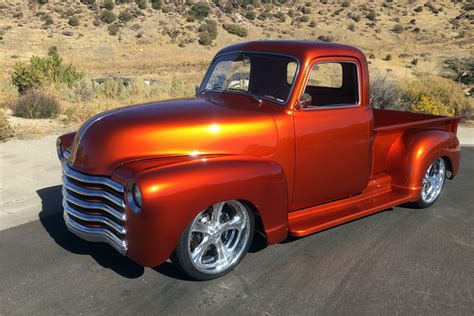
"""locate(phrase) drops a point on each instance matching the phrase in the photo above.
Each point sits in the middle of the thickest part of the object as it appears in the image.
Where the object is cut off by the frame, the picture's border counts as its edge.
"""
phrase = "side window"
(333, 84)
(291, 72)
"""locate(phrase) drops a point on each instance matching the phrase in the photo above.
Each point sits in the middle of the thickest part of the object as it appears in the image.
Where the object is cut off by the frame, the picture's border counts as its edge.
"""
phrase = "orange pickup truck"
(279, 138)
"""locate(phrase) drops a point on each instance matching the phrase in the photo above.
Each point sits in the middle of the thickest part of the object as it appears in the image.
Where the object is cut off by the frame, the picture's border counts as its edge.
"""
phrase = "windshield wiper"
(247, 93)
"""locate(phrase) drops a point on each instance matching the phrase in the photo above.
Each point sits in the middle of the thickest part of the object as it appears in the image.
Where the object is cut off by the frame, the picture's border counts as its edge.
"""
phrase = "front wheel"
(433, 183)
(215, 241)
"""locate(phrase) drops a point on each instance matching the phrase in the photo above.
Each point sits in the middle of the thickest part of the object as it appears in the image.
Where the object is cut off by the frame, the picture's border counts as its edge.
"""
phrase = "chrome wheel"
(218, 237)
(433, 181)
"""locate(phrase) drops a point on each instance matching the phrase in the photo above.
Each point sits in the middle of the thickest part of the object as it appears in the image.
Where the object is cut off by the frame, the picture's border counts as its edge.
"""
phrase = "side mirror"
(305, 100)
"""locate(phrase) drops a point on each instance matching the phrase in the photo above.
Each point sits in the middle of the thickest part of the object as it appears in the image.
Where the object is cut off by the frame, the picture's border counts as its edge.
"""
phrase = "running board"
(321, 217)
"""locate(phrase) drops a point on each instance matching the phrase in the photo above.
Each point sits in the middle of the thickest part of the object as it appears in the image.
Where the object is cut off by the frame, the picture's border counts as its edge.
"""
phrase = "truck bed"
(389, 120)
(390, 125)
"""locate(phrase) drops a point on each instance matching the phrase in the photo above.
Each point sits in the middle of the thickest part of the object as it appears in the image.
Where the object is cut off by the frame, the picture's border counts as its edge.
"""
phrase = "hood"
(215, 124)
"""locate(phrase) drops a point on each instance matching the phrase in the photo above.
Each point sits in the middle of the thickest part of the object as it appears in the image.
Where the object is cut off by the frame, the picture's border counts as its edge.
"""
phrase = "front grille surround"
(94, 208)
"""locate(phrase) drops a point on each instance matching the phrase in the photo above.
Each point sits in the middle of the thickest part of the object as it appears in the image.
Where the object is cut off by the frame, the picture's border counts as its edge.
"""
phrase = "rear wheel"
(433, 183)
(215, 241)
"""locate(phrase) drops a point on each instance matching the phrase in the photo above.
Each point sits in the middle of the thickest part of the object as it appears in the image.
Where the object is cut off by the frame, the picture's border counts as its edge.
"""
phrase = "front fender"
(414, 151)
(174, 194)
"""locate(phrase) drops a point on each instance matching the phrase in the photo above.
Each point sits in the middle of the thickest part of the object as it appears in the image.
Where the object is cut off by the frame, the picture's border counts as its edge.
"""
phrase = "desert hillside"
(162, 38)
(410, 45)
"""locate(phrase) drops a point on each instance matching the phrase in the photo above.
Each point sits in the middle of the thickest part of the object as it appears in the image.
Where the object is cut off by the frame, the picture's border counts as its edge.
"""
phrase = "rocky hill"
(162, 39)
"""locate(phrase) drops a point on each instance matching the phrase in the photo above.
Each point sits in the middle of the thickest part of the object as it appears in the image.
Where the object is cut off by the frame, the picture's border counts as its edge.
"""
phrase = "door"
(332, 135)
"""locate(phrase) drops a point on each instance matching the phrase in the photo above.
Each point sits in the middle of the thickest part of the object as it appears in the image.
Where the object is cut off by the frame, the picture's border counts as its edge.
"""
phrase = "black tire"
(423, 202)
(181, 256)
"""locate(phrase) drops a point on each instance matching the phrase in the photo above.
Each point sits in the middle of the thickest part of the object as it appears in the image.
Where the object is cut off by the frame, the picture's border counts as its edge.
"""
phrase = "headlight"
(134, 197)
(59, 149)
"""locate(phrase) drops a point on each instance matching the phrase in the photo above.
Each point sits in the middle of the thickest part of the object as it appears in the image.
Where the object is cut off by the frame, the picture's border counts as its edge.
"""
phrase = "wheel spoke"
(200, 250)
(200, 227)
(234, 223)
(216, 213)
(222, 251)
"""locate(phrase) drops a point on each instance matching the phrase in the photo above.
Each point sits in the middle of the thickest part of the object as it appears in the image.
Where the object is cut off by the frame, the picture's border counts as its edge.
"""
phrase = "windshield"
(260, 75)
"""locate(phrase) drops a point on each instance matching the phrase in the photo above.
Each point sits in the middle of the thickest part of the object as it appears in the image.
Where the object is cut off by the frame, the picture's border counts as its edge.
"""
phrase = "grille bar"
(93, 205)
(93, 218)
(94, 208)
(68, 171)
(93, 193)
(96, 234)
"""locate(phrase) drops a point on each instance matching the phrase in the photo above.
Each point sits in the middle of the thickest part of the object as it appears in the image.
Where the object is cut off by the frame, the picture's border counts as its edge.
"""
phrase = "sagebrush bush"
(236, 29)
(113, 29)
(109, 4)
(142, 4)
(438, 95)
(156, 4)
(108, 17)
(8, 94)
(125, 16)
(199, 11)
(74, 21)
(6, 131)
(43, 70)
(385, 94)
(204, 38)
(207, 32)
(35, 104)
(250, 15)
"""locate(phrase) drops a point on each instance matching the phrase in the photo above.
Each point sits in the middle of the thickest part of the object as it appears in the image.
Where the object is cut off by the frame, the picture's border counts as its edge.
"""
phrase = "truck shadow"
(52, 221)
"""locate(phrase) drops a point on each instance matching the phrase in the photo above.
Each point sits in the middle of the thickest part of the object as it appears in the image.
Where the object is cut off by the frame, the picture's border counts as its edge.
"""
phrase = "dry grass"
(6, 130)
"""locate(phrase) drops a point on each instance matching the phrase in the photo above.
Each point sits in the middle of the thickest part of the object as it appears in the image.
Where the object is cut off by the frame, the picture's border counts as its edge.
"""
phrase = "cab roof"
(302, 50)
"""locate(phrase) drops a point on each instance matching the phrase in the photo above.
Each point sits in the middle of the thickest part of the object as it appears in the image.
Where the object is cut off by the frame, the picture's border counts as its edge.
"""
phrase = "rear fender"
(414, 151)
(173, 195)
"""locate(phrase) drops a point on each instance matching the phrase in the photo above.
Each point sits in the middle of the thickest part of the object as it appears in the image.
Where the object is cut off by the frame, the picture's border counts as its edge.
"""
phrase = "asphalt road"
(401, 260)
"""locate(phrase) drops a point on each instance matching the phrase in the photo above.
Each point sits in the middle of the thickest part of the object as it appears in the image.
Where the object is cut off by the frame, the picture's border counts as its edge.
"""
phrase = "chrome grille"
(94, 208)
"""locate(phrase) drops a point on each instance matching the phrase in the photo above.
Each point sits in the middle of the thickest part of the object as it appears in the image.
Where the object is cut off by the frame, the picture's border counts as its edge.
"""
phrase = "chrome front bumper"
(94, 208)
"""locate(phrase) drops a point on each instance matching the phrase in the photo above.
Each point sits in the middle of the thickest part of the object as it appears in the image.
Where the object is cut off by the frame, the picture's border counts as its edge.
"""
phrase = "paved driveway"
(398, 261)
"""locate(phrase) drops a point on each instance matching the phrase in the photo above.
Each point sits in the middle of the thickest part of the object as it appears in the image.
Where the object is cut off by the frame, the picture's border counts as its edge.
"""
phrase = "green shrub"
(326, 38)
(53, 50)
(113, 29)
(48, 20)
(125, 16)
(398, 29)
(210, 26)
(156, 4)
(108, 17)
(304, 19)
(312, 24)
(88, 2)
(109, 4)
(236, 29)
(372, 16)
(141, 4)
(204, 38)
(6, 130)
(388, 57)
(250, 15)
(36, 104)
(280, 16)
(199, 11)
(419, 9)
(42, 1)
(43, 70)
(73, 21)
